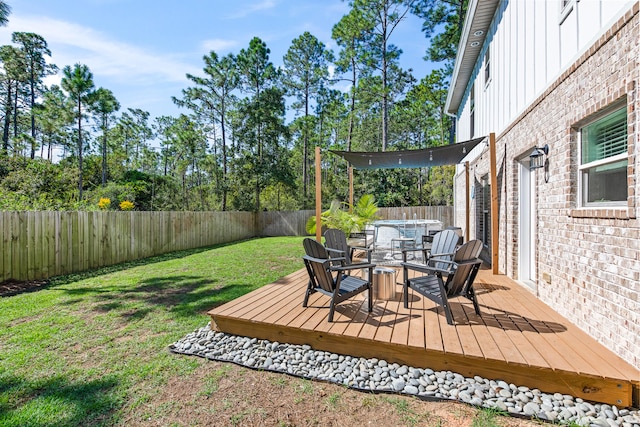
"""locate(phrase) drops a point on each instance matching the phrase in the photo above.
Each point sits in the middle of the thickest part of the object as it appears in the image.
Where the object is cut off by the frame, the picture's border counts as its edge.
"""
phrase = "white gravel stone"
(378, 375)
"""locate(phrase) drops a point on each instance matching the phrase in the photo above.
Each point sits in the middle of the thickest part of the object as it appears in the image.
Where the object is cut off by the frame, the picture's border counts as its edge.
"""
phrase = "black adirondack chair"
(331, 280)
(443, 279)
(336, 243)
(442, 247)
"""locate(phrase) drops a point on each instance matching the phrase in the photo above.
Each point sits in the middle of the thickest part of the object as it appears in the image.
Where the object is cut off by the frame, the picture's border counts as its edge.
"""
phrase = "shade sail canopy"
(437, 156)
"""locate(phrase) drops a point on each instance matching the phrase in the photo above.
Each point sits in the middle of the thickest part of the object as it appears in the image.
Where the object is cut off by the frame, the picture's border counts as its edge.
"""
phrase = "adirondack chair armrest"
(322, 260)
(448, 254)
(473, 262)
(450, 264)
(417, 267)
(357, 266)
(336, 251)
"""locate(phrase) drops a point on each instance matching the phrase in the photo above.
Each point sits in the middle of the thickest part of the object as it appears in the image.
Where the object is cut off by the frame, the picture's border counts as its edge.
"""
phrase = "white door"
(527, 227)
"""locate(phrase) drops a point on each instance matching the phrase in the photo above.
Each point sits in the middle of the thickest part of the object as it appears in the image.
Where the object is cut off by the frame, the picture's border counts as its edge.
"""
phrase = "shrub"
(363, 213)
(104, 203)
(126, 205)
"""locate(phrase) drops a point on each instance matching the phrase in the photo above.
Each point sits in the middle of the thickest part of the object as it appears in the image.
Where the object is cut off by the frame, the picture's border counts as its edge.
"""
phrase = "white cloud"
(253, 8)
(219, 45)
(72, 43)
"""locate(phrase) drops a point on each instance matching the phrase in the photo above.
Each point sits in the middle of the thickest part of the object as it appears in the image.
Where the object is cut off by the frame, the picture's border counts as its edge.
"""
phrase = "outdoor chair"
(406, 240)
(442, 247)
(363, 239)
(331, 280)
(336, 243)
(460, 274)
(458, 231)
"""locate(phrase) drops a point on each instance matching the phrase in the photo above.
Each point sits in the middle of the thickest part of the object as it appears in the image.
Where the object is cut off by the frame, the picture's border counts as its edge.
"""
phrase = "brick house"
(563, 74)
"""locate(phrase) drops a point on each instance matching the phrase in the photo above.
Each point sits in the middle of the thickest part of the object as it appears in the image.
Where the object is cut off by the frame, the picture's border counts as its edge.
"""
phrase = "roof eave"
(479, 16)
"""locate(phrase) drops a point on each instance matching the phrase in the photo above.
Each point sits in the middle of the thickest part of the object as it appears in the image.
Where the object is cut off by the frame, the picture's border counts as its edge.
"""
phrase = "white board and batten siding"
(532, 43)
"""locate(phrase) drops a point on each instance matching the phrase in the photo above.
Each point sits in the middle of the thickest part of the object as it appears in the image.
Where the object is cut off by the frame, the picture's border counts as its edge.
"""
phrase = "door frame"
(527, 225)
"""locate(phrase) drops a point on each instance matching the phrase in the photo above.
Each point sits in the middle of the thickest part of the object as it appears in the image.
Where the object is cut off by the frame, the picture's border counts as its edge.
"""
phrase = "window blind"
(606, 137)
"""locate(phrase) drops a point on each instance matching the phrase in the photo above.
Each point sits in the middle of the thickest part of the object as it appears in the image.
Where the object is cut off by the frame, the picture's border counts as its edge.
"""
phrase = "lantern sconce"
(537, 160)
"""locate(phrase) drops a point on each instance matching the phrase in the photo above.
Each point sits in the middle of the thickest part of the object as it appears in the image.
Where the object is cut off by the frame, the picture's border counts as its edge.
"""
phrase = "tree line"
(232, 148)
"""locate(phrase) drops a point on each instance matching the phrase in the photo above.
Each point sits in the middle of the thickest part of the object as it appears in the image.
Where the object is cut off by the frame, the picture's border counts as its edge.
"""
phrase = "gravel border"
(374, 375)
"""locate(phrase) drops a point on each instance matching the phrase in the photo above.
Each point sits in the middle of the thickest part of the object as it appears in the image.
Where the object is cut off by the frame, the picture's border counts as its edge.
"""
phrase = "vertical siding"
(539, 39)
(552, 30)
(568, 34)
(530, 49)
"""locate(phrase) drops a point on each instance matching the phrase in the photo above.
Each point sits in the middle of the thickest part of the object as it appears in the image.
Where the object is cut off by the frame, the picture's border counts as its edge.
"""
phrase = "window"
(485, 227)
(566, 6)
(472, 112)
(603, 160)
(487, 67)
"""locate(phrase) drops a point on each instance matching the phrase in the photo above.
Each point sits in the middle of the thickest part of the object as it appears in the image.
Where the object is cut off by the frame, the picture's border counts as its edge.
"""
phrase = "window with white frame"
(472, 111)
(487, 66)
(566, 6)
(604, 160)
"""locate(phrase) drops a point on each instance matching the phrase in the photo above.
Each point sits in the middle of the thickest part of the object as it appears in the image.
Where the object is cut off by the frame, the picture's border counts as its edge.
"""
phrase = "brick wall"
(588, 260)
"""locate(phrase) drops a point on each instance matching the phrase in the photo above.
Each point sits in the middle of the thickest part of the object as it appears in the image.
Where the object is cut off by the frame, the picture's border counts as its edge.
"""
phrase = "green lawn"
(86, 346)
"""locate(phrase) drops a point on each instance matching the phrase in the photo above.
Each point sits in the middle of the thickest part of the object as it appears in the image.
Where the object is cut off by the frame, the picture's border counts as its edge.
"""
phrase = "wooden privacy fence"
(441, 213)
(289, 223)
(294, 223)
(38, 245)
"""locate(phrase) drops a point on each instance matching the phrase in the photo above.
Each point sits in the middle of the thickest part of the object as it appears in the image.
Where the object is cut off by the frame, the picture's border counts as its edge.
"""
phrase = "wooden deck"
(517, 338)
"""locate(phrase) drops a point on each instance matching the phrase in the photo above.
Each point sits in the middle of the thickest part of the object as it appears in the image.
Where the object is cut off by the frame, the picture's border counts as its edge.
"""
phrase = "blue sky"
(142, 49)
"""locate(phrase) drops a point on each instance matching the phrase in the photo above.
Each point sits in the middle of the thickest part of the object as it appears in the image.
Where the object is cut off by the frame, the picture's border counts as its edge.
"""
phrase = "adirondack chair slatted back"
(467, 264)
(314, 249)
(444, 242)
(336, 239)
(319, 271)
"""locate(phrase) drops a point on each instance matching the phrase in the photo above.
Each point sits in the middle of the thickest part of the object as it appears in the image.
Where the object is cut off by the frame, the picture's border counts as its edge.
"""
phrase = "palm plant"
(349, 220)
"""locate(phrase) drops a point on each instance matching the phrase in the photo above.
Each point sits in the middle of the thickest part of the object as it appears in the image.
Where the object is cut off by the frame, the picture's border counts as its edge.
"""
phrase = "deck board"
(556, 350)
(517, 331)
(516, 338)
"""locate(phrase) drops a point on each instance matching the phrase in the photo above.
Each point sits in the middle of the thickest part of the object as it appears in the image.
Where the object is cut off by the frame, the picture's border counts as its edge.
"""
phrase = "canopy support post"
(318, 196)
(467, 220)
(350, 188)
(495, 239)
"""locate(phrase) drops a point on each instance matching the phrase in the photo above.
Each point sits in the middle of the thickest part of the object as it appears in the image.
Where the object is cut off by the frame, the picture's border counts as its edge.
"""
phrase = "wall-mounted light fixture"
(536, 158)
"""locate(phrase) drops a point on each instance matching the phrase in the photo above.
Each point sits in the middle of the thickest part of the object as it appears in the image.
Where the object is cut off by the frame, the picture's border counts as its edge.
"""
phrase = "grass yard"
(88, 346)
(91, 350)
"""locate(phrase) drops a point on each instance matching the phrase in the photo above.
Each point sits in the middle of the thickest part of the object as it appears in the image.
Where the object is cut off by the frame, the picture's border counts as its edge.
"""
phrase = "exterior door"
(527, 226)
